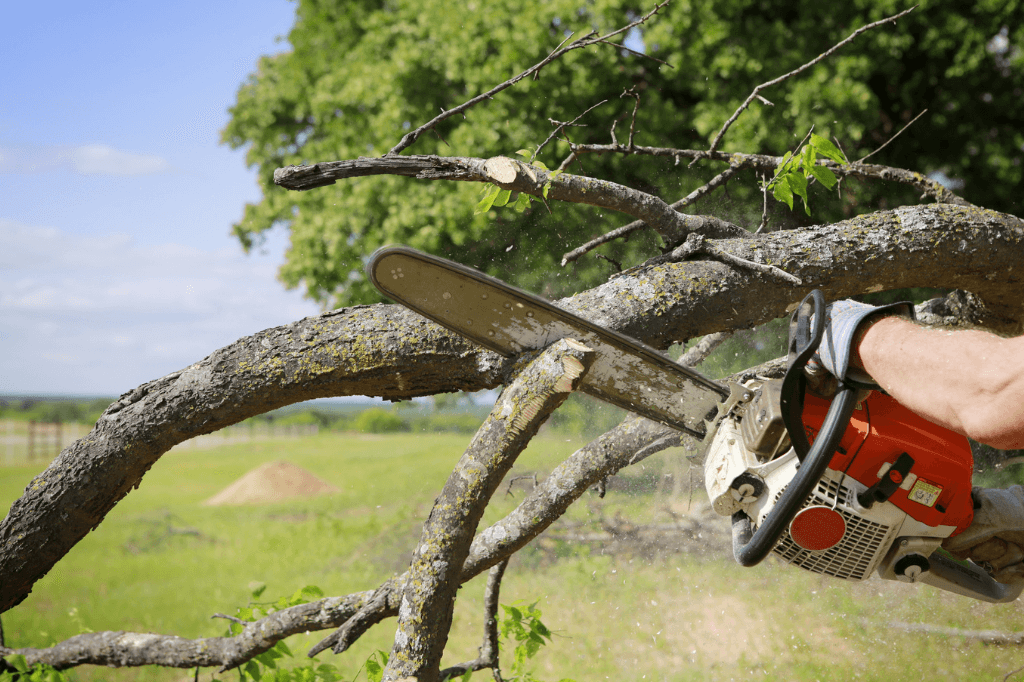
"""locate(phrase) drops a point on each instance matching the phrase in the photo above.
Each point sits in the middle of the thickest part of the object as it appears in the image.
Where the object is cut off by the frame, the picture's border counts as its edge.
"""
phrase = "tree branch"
(132, 649)
(428, 596)
(696, 244)
(697, 194)
(518, 177)
(489, 650)
(766, 162)
(393, 353)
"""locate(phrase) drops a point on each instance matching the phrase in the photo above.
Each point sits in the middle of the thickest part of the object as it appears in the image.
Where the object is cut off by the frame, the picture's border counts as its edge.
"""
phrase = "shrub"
(379, 420)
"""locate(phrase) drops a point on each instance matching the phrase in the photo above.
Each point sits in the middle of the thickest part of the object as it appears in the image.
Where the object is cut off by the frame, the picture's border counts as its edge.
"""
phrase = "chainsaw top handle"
(806, 328)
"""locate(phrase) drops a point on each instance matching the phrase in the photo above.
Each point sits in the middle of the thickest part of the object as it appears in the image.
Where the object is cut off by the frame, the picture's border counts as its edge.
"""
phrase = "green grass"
(623, 617)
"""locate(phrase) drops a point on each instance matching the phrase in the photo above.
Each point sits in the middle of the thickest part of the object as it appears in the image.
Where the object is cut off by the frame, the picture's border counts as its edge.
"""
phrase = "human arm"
(969, 381)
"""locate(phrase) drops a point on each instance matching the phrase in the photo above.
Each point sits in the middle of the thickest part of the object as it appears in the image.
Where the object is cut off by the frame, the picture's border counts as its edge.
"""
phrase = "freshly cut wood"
(272, 482)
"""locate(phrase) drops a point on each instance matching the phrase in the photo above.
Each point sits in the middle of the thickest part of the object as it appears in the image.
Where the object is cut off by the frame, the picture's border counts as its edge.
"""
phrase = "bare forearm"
(969, 381)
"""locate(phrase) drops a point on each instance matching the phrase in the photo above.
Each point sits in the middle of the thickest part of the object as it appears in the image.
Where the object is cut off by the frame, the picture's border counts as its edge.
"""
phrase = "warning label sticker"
(924, 493)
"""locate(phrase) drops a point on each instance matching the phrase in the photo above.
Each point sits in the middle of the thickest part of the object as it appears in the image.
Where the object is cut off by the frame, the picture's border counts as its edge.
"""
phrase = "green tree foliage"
(379, 420)
(63, 410)
(361, 73)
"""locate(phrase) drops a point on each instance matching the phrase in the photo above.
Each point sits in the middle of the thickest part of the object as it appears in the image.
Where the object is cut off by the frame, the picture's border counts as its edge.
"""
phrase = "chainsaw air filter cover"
(817, 527)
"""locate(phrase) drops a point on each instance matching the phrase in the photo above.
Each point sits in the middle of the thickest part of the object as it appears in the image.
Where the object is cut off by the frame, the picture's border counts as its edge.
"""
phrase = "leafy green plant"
(795, 171)
(374, 666)
(522, 625)
(23, 673)
(265, 668)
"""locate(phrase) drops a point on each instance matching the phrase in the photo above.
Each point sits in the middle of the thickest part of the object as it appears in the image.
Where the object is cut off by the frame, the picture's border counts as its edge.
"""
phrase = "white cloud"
(90, 159)
(98, 159)
(85, 314)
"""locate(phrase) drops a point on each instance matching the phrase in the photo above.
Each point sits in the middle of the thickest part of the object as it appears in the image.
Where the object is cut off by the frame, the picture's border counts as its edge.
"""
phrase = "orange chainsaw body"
(937, 492)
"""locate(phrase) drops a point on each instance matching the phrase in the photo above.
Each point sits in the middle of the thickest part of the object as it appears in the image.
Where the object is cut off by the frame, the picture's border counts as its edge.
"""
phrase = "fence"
(28, 442)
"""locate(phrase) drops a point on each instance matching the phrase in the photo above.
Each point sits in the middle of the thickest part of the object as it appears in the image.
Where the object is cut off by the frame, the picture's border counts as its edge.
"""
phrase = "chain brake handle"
(806, 329)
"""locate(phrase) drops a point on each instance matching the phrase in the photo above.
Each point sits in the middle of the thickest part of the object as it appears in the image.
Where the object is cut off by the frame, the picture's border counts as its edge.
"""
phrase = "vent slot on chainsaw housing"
(856, 555)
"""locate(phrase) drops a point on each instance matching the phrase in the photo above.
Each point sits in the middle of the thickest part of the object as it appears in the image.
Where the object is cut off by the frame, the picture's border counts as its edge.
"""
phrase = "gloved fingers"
(1013, 573)
(1003, 560)
(1011, 555)
(988, 551)
(997, 513)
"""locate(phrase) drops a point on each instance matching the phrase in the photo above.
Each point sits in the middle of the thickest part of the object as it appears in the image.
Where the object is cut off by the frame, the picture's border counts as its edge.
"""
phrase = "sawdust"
(272, 482)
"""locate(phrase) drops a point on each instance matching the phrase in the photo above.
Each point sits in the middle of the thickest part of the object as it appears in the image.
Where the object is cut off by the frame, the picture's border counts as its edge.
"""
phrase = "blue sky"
(116, 198)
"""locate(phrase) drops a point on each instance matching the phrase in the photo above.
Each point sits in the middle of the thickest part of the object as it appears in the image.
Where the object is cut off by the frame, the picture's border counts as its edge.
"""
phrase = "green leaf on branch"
(485, 204)
(375, 666)
(17, 661)
(824, 175)
(253, 670)
(782, 191)
(522, 203)
(307, 594)
(503, 197)
(798, 183)
(808, 157)
(827, 149)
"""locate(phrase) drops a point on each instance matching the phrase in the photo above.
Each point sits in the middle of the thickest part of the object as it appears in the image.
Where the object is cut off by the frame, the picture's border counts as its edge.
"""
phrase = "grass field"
(628, 615)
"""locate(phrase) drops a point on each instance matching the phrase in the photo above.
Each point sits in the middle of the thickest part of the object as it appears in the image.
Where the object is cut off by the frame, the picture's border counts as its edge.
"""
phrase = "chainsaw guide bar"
(510, 321)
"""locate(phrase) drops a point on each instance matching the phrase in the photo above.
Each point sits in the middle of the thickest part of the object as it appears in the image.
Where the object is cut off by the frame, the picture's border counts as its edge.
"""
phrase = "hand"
(995, 538)
(837, 349)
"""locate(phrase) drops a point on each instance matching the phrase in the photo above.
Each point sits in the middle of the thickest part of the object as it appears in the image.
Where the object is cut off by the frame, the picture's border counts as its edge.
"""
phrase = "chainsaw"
(845, 487)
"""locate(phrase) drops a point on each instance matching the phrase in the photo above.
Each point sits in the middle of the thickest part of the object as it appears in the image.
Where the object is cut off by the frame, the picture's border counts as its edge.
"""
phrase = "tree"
(711, 277)
(333, 96)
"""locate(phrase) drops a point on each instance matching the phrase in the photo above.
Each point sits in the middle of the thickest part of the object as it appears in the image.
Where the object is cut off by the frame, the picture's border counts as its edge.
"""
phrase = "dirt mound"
(272, 482)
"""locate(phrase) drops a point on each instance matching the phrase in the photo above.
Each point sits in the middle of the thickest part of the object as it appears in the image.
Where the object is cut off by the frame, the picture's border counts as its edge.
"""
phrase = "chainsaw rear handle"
(750, 549)
(806, 329)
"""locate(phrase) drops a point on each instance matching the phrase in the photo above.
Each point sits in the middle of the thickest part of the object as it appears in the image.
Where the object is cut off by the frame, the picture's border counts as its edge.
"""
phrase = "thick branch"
(131, 649)
(518, 177)
(428, 597)
(387, 351)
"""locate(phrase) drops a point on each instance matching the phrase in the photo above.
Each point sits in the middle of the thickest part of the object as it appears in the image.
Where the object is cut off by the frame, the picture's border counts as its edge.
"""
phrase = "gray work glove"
(841, 321)
(995, 538)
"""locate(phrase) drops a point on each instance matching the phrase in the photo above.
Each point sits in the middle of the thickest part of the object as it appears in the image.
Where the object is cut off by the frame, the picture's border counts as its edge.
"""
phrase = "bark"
(428, 596)
(390, 352)
(767, 163)
(517, 177)
(130, 649)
